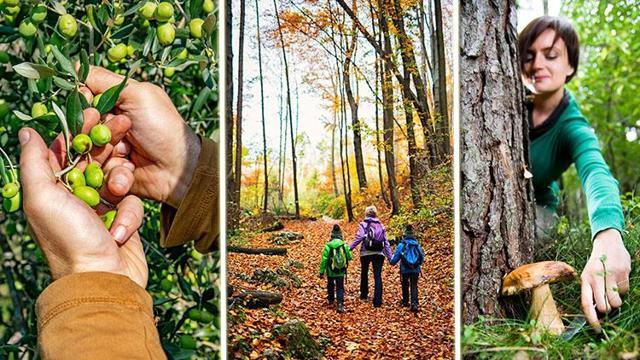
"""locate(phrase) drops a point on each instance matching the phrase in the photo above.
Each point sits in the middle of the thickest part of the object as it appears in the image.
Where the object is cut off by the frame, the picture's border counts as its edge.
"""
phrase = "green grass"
(504, 338)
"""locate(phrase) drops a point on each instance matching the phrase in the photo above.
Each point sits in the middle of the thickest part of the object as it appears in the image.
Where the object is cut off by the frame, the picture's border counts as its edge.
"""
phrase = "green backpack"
(338, 260)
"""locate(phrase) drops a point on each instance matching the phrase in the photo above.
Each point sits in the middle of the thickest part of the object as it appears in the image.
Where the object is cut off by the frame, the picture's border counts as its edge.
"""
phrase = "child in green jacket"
(335, 258)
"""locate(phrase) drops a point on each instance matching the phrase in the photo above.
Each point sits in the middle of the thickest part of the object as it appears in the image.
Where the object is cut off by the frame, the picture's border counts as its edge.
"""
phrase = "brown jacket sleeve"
(196, 218)
(96, 315)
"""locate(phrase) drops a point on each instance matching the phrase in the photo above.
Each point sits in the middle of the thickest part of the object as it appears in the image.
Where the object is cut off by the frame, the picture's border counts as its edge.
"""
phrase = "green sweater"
(565, 139)
(324, 264)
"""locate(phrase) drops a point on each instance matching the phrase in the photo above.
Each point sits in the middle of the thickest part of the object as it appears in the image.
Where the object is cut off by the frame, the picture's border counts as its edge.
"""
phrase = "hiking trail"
(390, 332)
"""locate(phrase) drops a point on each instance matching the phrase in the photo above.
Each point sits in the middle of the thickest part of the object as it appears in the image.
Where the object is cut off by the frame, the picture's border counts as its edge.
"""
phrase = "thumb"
(35, 170)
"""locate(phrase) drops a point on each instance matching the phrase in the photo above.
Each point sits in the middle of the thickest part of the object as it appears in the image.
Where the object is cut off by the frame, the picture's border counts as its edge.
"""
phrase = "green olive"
(108, 218)
(12, 204)
(164, 11)
(12, 2)
(4, 108)
(4, 57)
(119, 20)
(75, 178)
(12, 10)
(208, 6)
(67, 25)
(117, 52)
(81, 143)
(166, 285)
(131, 51)
(93, 175)
(96, 100)
(100, 135)
(188, 342)
(206, 317)
(166, 34)
(87, 194)
(143, 23)
(194, 314)
(10, 190)
(38, 109)
(169, 71)
(47, 48)
(147, 10)
(195, 27)
(27, 29)
(39, 14)
(182, 55)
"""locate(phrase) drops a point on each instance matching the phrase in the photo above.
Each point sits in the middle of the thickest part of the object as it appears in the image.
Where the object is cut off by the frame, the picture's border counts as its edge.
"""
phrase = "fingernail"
(24, 136)
(119, 233)
(120, 180)
(121, 149)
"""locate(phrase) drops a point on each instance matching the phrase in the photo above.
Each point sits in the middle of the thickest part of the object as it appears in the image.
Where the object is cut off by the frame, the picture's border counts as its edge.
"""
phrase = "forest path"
(390, 331)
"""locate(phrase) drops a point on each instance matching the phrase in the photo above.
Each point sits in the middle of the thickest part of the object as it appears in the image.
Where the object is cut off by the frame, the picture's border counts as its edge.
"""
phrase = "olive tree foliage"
(606, 88)
(38, 50)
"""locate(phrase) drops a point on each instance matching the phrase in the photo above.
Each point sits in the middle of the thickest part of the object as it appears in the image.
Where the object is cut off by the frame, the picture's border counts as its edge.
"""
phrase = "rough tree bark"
(497, 200)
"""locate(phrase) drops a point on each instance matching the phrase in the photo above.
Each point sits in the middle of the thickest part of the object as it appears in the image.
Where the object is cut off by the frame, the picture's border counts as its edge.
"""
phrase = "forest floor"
(389, 332)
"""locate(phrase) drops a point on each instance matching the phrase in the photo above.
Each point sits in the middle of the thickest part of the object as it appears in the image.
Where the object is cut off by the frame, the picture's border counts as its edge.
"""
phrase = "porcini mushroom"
(537, 277)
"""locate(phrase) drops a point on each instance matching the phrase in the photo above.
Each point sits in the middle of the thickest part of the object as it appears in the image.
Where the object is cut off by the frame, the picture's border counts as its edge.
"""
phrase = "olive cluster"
(67, 24)
(11, 194)
(85, 184)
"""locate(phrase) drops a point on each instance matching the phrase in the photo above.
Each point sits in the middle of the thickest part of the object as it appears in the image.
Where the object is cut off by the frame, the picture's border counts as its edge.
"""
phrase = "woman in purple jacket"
(375, 247)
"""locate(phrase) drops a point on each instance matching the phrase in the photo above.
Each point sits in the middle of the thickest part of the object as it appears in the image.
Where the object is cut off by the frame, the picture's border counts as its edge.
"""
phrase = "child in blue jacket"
(411, 257)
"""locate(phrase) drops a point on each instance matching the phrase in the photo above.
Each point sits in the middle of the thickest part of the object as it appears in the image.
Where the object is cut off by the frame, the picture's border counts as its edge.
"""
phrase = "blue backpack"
(410, 255)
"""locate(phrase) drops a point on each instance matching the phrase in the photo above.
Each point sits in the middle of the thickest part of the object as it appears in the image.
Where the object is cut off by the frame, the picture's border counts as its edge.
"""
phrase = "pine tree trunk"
(497, 215)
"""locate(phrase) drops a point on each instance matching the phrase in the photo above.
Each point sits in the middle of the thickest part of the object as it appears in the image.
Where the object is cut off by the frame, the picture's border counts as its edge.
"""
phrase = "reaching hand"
(163, 150)
(70, 233)
(605, 276)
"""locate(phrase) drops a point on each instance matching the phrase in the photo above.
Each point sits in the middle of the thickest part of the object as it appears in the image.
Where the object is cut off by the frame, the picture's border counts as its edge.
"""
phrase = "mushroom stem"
(544, 311)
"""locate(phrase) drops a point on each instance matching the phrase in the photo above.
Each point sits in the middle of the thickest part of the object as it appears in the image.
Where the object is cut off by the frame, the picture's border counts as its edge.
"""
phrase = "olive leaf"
(209, 25)
(148, 43)
(202, 97)
(110, 97)
(3, 171)
(134, 8)
(22, 116)
(85, 66)
(64, 84)
(64, 62)
(34, 71)
(123, 32)
(65, 129)
(59, 8)
(75, 118)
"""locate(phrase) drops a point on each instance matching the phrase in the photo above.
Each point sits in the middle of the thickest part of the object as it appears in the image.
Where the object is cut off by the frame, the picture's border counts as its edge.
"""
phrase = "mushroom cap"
(533, 275)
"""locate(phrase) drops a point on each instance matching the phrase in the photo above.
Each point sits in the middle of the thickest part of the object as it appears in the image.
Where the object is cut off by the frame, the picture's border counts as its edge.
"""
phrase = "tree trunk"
(257, 251)
(255, 299)
(232, 222)
(378, 81)
(387, 106)
(497, 217)
(264, 130)
(333, 155)
(412, 148)
(356, 123)
(293, 140)
(442, 106)
(237, 182)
